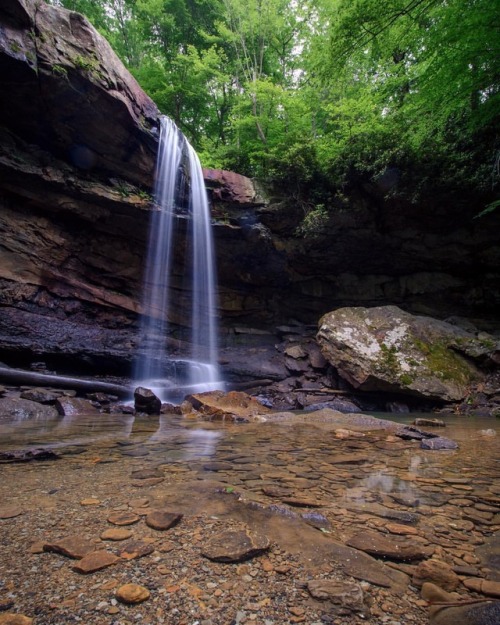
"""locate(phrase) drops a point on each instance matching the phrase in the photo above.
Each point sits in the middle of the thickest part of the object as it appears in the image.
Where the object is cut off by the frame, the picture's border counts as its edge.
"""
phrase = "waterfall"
(178, 170)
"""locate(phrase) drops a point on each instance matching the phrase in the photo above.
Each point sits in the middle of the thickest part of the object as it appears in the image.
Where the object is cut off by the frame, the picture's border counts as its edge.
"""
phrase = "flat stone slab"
(116, 533)
(136, 549)
(347, 595)
(381, 546)
(74, 547)
(123, 518)
(235, 546)
(162, 519)
(145, 474)
(10, 512)
(96, 561)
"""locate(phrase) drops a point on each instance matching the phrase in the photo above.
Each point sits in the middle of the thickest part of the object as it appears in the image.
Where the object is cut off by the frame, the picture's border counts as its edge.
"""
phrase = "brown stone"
(379, 545)
(123, 518)
(74, 547)
(235, 546)
(348, 595)
(162, 519)
(132, 593)
(115, 533)
(96, 561)
(436, 572)
(136, 549)
(219, 405)
(69, 406)
(483, 586)
(10, 512)
(15, 619)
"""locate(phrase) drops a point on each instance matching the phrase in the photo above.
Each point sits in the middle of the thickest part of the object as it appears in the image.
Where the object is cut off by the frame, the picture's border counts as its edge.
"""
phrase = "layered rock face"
(77, 156)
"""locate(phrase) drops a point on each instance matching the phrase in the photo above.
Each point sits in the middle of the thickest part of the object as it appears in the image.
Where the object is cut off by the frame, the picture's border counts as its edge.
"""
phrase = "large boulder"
(387, 349)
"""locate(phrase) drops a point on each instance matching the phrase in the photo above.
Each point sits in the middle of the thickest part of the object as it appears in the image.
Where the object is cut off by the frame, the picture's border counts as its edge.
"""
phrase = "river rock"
(116, 533)
(40, 395)
(449, 609)
(235, 546)
(15, 619)
(10, 512)
(381, 546)
(146, 401)
(233, 406)
(162, 519)
(74, 547)
(347, 595)
(96, 561)
(135, 549)
(436, 572)
(20, 409)
(123, 518)
(387, 349)
(132, 593)
(70, 406)
(438, 443)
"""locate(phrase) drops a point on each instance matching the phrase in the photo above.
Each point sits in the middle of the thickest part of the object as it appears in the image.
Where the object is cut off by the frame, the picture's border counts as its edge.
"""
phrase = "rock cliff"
(78, 143)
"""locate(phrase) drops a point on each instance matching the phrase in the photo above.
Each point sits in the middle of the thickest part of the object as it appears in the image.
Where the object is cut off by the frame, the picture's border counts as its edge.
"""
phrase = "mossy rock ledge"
(388, 349)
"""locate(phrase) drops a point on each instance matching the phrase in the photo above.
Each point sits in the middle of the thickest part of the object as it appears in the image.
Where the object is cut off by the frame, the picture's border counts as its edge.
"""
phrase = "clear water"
(155, 367)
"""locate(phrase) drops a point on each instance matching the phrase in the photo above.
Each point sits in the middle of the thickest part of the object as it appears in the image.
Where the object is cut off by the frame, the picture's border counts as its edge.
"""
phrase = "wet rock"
(348, 596)
(27, 455)
(162, 519)
(144, 474)
(20, 409)
(449, 609)
(74, 547)
(384, 512)
(388, 349)
(146, 401)
(69, 406)
(381, 546)
(96, 561)
(438, 444)
(8, 618)
(40, 395)
(429, 423)
(135, 549)
(235, 546)
(436, 572)
(232, 406)
(483, 586)
(132, 593)
(10, 512)
(116, 533)
(123, 518)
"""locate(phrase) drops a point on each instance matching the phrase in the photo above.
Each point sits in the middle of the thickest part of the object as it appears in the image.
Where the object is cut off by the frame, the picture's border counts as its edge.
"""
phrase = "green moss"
(443, 362)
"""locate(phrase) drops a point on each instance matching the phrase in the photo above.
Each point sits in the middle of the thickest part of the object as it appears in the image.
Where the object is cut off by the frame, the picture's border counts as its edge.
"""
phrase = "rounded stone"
(132, 593)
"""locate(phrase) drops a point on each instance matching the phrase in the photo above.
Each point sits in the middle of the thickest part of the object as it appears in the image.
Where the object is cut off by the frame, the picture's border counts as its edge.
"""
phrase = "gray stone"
(388, 349)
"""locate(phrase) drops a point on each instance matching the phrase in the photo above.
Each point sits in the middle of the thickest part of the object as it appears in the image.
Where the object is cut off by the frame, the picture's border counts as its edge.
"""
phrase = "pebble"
(162, 519)
(10, 512)
(132, 593)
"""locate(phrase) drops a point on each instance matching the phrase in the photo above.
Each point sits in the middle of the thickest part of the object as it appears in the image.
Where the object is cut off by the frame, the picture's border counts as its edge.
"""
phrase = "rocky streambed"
(183, 519)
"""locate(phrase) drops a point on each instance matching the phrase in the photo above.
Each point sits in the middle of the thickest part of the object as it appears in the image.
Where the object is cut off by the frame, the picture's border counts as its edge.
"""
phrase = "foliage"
(323, 93)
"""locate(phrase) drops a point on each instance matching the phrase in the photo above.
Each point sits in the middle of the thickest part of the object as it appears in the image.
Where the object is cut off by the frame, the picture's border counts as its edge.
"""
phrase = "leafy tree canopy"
(318, 93)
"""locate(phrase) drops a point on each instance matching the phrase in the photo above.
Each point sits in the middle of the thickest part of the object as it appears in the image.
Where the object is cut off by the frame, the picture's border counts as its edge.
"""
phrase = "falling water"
(155, 368)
